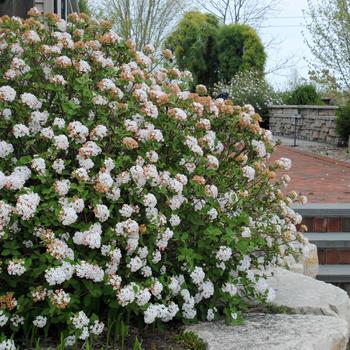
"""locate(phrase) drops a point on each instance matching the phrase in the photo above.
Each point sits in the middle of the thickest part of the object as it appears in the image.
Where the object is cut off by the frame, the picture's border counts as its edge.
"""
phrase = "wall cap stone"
(303, 107)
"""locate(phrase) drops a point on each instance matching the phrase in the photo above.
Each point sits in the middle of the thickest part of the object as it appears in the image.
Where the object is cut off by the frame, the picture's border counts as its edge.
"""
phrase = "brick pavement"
(321, 179)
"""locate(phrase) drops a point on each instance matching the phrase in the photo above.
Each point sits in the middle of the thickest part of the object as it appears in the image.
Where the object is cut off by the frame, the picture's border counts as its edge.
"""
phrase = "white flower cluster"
(83, 324)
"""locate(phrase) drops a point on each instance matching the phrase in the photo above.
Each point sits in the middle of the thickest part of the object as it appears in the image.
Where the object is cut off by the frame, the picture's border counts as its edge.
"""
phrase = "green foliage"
(251, 87)
(194, 45)
(212, 53)
(239, 49)
(343, 121)
(137, 345)
(328, 23)
(84, 7)
(305, 94)
(190, 341)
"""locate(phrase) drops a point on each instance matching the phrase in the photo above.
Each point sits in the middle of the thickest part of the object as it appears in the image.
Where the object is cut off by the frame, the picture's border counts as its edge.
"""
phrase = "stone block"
(310, 261)
(275, 332)
(305, 295)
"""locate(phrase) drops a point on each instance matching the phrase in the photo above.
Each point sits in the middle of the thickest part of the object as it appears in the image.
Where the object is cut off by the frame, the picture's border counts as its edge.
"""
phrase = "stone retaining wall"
(316, 123)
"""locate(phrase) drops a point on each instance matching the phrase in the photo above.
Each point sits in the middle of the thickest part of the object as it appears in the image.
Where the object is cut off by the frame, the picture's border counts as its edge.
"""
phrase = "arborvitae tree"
(194, 43)
(239, 49)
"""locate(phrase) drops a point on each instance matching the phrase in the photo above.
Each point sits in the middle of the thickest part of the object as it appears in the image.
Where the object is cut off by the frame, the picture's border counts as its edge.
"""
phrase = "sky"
(285, 28)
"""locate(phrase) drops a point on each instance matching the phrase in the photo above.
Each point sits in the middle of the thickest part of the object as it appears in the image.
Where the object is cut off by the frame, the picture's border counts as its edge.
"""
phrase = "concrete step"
(323, 210)
(334, 273)
(329, 239)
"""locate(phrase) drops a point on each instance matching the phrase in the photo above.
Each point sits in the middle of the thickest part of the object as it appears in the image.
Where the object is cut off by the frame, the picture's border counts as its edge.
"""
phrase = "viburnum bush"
(124, 196)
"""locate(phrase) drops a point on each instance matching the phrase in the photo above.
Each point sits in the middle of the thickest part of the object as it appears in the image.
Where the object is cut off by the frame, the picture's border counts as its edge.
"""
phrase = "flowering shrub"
(251, 87)
(123, 195)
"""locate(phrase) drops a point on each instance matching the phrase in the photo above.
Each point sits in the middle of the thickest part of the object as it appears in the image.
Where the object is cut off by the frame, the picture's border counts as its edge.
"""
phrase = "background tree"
(145, 21)
(329, 26)
(239, 49)
(343, 122)
(194, 43)
(252, 12)
(84, 7)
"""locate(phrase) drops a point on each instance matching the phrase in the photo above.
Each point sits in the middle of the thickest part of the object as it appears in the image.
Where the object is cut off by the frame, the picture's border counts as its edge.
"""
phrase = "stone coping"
(323, 209)
(303, 107)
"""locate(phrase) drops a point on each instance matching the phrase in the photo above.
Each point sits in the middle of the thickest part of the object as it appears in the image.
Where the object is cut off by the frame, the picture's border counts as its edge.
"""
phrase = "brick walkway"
(321, 179)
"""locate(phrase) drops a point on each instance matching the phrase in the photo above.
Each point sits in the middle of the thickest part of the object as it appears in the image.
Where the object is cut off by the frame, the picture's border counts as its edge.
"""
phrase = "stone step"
(323, 210)
(329, 239)
(319, 217)
(334, 273)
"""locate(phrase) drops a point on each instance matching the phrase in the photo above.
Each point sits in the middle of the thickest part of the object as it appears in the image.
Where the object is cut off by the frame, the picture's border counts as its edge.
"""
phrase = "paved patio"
(321, 179)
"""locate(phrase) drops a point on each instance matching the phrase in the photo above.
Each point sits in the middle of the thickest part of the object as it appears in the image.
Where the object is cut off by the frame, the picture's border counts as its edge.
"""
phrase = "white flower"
(83, 66)
(7, 93)
(143, 297)
(126, 295)
(3, 319)
(99, 132)
(16, 320)
(197, 275)
(68, 215)
(20, 130)
(149, 200)
(59, 122)
(8, 344)
(7, 113)
(32, 36)
(259, 147)
(31, 101)
(126, 210)
(248, 172)
(213, 214)
(211, 191)
(210, 315)
(152, 156)
(16, 267)
(91, 237)
(224, 253)
(61, 142)
(60, 274)
(97, 328)
(135, 264)
(84, 333)
(40, 321)
(27, 205)
(5, 149)
(62, 187)
(58, 166)
(101, 212)
(80, 320)
(246, 232)
(70, 341)
(230, 289)
(284, 163)
(38, 164)
(175, 220)
(89, 271)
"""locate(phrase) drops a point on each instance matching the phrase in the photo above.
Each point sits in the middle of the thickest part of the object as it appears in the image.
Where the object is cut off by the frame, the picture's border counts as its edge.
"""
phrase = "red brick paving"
(321, 179)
